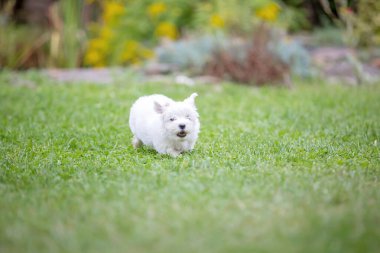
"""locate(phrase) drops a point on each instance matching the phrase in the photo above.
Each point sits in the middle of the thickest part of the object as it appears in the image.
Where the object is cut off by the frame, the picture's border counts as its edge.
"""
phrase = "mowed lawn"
(274, 170)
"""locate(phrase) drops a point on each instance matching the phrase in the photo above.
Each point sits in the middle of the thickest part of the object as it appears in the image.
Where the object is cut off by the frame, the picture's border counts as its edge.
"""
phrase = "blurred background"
(248, 41)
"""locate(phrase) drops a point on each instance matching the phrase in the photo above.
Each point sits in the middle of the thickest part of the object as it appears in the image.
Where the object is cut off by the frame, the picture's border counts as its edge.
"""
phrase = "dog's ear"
(191, 99)
(158, 107)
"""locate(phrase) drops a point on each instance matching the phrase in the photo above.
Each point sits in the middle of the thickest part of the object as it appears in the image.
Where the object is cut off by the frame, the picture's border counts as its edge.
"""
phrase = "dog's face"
(180, 118)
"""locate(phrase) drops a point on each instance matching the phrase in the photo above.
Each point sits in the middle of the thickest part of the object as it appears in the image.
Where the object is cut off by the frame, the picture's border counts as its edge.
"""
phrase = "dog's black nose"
(182, 126)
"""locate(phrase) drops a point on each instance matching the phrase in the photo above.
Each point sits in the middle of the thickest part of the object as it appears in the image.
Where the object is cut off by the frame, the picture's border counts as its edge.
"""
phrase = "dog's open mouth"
(182, 134)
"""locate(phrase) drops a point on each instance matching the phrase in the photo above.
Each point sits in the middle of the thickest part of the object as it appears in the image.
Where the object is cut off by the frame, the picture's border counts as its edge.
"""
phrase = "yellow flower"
(166, 29)
(93, 57)
(106, 32)
(146, 53)
(96, 51)
(112, 10)
(156, 9)
(98, 44)
(268, 12)
(134, 52)
(216, 21)
(130, 51)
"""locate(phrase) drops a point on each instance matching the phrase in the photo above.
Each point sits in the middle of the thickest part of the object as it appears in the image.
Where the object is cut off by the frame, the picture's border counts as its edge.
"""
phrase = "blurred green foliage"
(98, 33)
(329, 36)
(125, 32)
(133, 27)
(22, 47)
(294, 16)
(193, 55)
(71, 33)
(368, 23)
(61, 44)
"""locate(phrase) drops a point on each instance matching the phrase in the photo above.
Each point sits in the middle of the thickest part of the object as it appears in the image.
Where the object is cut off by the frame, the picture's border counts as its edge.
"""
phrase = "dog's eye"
(188, 116)
(172, 119)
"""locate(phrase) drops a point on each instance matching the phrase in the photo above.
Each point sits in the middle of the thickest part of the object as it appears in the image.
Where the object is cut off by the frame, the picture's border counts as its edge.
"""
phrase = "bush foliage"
(133, 33)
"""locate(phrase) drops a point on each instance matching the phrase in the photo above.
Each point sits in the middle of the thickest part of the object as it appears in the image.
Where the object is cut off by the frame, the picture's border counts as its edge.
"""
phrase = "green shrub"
(22, 47)
(194, 54)
(191, 54)
(30, 46)
(129, 29)
(368, 22)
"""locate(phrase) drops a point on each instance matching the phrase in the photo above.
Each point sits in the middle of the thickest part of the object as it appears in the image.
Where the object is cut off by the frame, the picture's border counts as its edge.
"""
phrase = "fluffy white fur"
(168, 126)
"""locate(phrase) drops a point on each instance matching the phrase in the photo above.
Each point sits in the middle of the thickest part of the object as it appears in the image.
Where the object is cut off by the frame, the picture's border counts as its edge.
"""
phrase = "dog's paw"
(136, 142)
(173, 152)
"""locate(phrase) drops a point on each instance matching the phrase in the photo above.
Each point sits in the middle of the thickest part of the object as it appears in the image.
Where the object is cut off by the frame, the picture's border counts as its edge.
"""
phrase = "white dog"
(168, 126)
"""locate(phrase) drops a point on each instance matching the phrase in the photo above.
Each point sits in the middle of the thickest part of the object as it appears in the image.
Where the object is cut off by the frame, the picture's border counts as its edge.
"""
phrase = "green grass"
(274, 170)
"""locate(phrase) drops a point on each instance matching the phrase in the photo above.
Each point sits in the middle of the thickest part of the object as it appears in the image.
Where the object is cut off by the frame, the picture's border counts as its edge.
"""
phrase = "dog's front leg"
(165, 148)
(173, 152)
